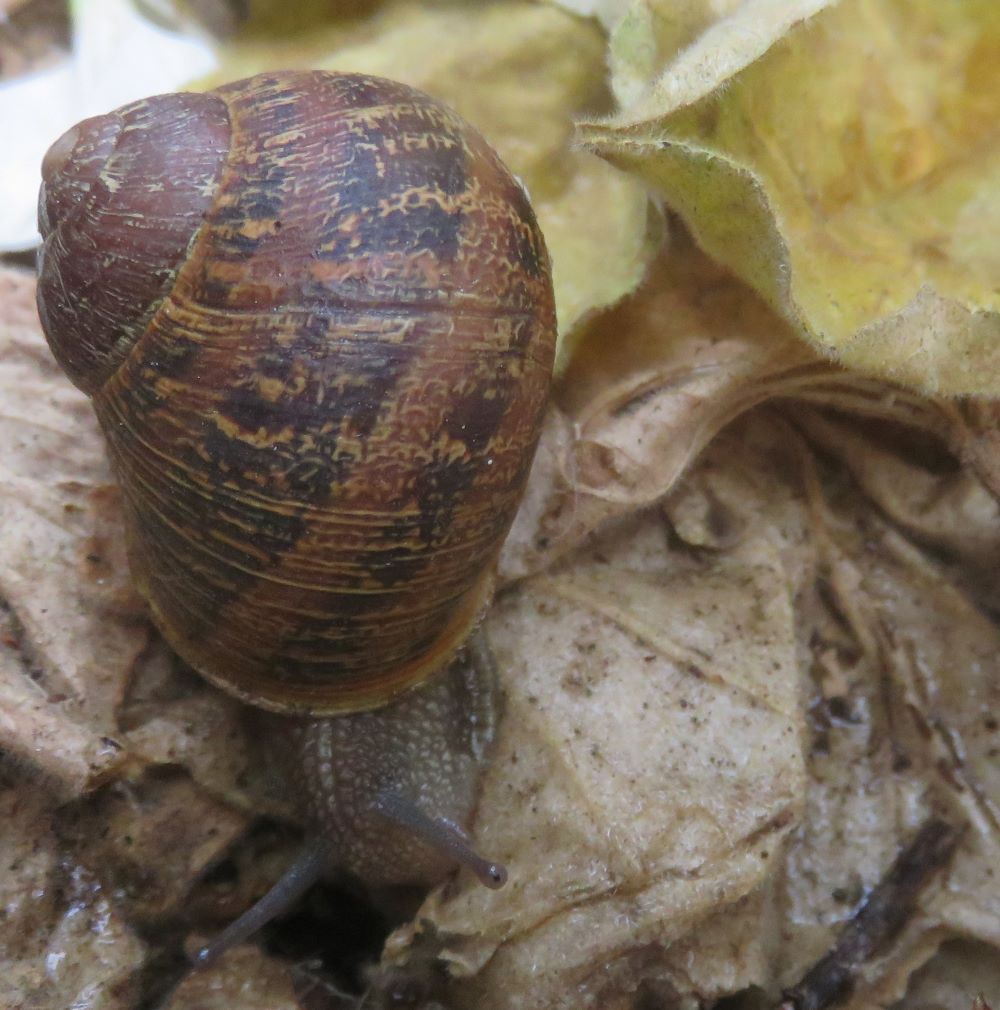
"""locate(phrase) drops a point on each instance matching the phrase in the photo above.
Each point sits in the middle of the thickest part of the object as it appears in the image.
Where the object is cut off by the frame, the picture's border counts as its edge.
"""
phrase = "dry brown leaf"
(963, 973)
(172, 719)
(151, 838)
(651, 385)
(159, 759)
(83, 699)
(648, 767)
(62, 943)
(897, 667)
(914, 731)
(976, 424)
(76, 632)
(654, 380)
(543, 501)
(244, 975)
(939, 504)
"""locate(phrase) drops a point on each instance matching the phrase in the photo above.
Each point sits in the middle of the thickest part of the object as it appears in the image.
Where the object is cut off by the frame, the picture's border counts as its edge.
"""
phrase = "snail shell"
(315, 315)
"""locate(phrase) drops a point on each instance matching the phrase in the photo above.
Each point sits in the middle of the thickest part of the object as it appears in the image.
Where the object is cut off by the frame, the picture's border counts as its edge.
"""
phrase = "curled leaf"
(652, 383)
(840, 159)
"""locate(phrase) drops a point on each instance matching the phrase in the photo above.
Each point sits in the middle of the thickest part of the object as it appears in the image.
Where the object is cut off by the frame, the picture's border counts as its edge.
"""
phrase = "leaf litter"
(733, 699)
(747, 632)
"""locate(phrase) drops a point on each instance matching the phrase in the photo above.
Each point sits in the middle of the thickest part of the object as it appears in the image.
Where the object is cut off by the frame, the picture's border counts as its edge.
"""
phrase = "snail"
(314, 314)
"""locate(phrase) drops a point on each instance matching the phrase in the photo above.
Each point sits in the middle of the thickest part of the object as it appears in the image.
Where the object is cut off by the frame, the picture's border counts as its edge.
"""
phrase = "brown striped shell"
(315, 315)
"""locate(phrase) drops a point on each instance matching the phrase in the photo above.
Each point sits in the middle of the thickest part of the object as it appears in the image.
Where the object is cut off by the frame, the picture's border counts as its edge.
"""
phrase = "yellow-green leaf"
(846, 165)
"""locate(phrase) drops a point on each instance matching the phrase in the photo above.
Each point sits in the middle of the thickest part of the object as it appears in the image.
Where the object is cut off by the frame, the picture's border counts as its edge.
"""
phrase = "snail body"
(315, 317)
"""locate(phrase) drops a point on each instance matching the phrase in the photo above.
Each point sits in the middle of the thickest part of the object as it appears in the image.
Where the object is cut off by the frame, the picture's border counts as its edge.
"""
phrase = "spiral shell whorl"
(117, 214)
(323, 420)
(73, 164)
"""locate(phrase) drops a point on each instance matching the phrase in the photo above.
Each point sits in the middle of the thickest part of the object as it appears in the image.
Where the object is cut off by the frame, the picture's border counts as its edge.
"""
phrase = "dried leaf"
(960, 970)
(886, 910)
(85, 701)
(152, 838)
(908, 732)
(256, 981)
(897, 665)
(653, 382)
(882, 751)
(648, 768)
(77, 634)
(64, 942)
(940, 505)
(842, 164)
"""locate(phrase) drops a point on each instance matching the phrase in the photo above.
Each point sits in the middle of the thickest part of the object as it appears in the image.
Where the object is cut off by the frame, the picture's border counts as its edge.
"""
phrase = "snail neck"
(387, 792)
(392, 790)
(315, 859)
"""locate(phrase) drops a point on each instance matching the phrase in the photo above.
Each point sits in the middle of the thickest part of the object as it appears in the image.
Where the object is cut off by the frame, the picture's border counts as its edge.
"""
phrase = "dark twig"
(878, 921)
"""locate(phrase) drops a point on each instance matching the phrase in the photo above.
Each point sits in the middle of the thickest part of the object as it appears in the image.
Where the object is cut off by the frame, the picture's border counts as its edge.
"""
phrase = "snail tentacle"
(442, 835)
(307, 869)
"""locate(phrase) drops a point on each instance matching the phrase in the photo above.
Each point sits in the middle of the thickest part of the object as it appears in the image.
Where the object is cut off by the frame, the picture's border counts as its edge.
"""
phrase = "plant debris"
(747, 634)
(884, 913)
